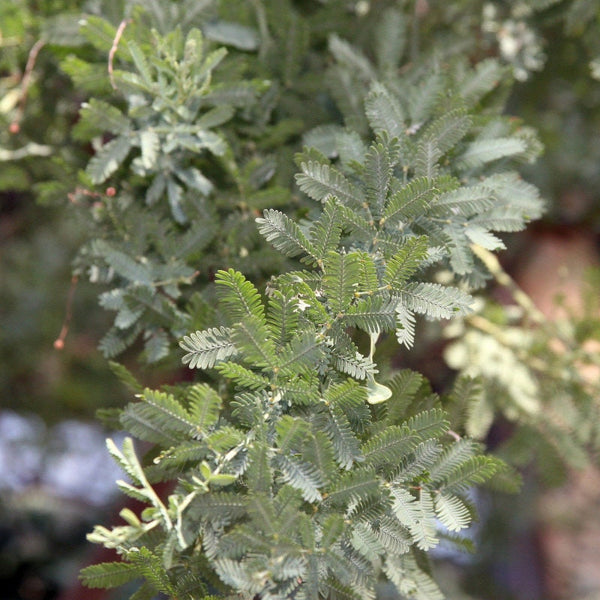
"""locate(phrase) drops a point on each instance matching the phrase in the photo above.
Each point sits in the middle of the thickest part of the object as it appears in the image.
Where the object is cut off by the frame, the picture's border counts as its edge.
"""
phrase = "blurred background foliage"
(49, 395)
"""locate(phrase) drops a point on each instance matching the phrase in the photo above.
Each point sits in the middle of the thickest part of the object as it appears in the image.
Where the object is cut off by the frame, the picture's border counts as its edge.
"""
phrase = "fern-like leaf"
(339, 280)
(448, 129)
(372, 315)
(402, 265)
(204, 406)
(390, 446)
(410, 201)
(417, 515)
(384, 111)
(285, 235)
(325, 232)
(434, 300)
(206, 348)
(336, 426)
(452, 512)
(319, 181)
(238, 296)
(108, 159)
(252, 338)
(481, 152)
(244, 378)
(108, 575)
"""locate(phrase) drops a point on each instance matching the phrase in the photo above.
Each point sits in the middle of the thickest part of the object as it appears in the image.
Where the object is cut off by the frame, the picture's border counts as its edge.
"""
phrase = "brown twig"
(59, 342)
(113, 51)
(25, 82)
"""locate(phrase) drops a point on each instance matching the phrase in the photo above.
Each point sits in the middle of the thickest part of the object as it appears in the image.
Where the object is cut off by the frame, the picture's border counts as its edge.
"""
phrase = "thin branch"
(113, 51)
(59, 342)
(25, 82)
(505, 280)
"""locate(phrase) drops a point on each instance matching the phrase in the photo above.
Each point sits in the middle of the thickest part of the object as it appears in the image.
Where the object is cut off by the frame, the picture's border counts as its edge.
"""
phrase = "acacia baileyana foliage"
(300, 473)
(305, 466)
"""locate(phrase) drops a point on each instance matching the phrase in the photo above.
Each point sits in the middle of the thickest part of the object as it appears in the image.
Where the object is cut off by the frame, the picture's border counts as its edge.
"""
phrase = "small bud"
(14, 127)
(110, 191)
(59, 344)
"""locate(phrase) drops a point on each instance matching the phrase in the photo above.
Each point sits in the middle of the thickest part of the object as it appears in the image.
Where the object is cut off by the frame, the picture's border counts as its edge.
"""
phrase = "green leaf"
(150, 146)
(390, 446)
(410, 201)
(429, 423)
(319, 181)
(427, 158)
(317, 450)
(466, 201)
(403, 265)
(405, 326)
(391, 38)
(325, 233)
(159, 418)
(108, 159)
(285, 235)
(475, 470)
(152, 569)
(232, 34)
(452, 511)
(259, 474)
(410, 579)
(96, 117)
(206, 348)
(341, 273)
(126, 377)
(238, 296)
(282, 316)
(434, 300)
(348, 360)
(302, 354)
(384, 111)
(334, 423)
(301, 476)
(446, 131)
(351, 57)
(393, 537)
(141, 63)
(204, 406)
(481, 80)
(108, 575)
(417, 514)
(333, 528)
(358, 484)
(480, 152)
(378, 175)
(372, 314)
(244, 378)
(252, 338)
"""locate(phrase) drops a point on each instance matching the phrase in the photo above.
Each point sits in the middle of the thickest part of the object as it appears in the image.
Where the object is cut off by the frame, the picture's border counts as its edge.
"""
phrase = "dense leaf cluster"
(304, 476)
(305, 465)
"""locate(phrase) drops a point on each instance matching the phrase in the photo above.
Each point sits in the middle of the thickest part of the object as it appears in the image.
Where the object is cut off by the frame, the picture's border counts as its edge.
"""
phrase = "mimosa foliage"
(304, 465)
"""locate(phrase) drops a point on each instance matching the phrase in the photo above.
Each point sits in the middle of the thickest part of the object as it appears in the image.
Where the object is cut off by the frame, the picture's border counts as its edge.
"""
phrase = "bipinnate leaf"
(239, 297)
(108, 574)
(384, 111)
(452, 512)
(417, 514)
(319, 181)
(340, 280)
(206, 348)
(285, 235)
(108, 159)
